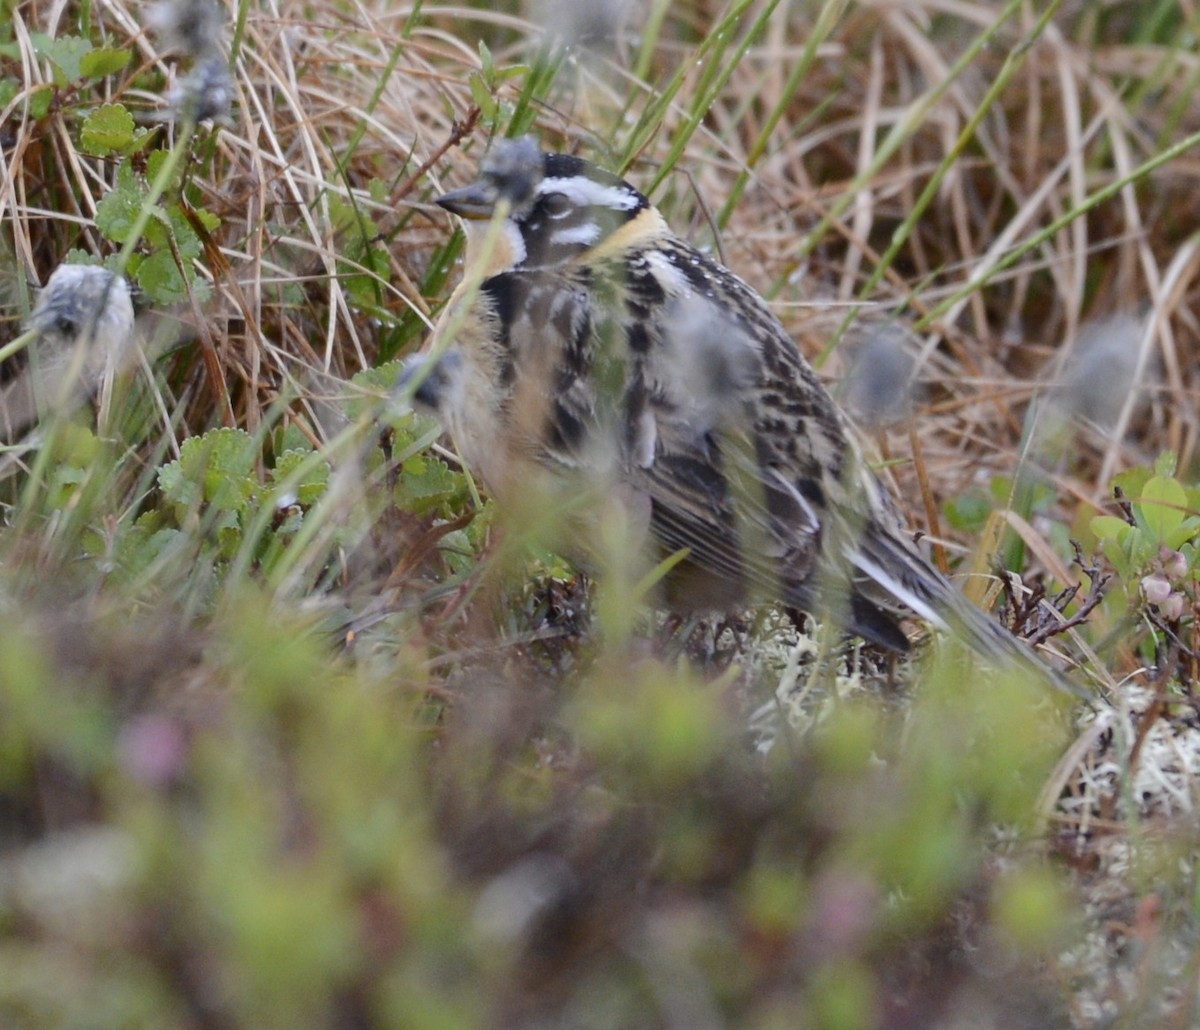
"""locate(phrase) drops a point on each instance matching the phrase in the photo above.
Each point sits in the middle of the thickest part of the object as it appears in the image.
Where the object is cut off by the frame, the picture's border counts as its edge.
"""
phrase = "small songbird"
(598, 351)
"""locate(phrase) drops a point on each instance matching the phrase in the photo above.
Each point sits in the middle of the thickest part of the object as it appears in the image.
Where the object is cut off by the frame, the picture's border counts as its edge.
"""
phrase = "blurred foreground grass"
(233, 826)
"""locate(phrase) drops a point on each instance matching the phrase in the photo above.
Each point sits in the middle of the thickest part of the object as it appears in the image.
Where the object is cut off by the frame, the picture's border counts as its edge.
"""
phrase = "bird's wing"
(718, 484)
(746, 460)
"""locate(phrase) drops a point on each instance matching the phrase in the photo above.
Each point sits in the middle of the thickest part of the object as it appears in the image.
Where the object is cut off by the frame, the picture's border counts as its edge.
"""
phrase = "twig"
(1098, 580)
(459, 131)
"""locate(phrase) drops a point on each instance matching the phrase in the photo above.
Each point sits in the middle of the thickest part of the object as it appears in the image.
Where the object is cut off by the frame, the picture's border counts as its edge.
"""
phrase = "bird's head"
(556, 206)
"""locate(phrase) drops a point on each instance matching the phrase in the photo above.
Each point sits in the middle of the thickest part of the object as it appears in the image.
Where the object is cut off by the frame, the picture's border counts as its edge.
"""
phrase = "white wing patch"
(669, 277)
(645, 439)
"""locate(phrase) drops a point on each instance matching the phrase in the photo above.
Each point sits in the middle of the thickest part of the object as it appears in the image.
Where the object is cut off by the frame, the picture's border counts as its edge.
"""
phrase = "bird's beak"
(476, 201)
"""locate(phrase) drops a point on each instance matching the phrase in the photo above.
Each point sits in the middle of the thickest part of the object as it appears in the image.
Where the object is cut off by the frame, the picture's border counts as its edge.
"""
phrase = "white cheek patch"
(586, 235)
(586, 193)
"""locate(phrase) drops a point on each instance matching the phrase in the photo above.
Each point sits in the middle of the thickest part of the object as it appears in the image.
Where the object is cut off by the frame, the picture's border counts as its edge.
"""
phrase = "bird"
(598, 351)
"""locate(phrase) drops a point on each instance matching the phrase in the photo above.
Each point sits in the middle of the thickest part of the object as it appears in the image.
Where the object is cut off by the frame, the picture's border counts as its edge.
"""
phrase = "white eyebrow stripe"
(584, 191)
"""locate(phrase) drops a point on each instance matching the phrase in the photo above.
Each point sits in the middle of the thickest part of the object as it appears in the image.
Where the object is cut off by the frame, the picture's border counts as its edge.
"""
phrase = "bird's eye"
(556, 205)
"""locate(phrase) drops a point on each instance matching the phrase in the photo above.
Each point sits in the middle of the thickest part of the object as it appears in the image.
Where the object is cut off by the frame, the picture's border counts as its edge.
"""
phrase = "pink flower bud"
(1174, 563)
(1172, 607)
(1156, 588)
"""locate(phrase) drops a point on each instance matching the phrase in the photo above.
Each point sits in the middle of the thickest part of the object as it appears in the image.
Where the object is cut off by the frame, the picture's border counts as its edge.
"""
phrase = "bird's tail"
(895, 566)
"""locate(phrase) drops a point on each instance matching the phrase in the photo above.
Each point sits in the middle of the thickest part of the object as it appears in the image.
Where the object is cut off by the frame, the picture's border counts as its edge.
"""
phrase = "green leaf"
(76, 256)
(210, 221)
(1110, 527)
(968, 513)
(108, 130)
(160, 278)
(217, 468)
(145, 541)
(482, 95)
(227, 452)
(457, 550)
(177, 487)
(39, 101)
(184, 236)
(65, 53)
(427, 483)
(372, 384)
(1001, 489)
(1160, 509)
(117, 210)
(104, 61)
(1132, 480)
(1116, 537)
(351, 220)
(1165, 463)
(154, 163)
(381, 378)
(159, 229)
(511, 71)
(290, 438)
(363, 287)
(1186, 533)
(311, 485)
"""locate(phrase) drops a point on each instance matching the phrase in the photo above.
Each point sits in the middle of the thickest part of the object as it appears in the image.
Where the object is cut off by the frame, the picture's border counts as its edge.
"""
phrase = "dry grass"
(995, 201)
(848, 149)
